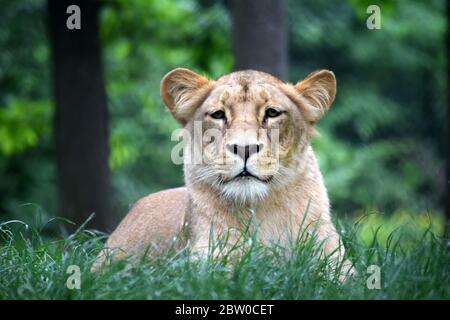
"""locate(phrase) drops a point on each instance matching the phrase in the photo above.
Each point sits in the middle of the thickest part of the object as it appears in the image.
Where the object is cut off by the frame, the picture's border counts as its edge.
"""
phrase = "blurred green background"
(382, 146)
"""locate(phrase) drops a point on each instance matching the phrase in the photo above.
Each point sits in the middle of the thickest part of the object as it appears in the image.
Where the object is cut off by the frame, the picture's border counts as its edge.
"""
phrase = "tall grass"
(34, 266)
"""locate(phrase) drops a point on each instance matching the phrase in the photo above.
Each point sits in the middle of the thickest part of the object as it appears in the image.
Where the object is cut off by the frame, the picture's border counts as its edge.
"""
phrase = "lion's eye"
(272, 113)
(220, 114)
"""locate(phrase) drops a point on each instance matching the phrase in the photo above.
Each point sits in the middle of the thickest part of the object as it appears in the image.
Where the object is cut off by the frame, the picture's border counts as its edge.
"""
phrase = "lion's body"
(154, 219)
(282, 197)
(159, 217)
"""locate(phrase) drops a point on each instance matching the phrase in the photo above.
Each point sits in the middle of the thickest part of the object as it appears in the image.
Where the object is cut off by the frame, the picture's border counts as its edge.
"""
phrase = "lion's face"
(248, 128)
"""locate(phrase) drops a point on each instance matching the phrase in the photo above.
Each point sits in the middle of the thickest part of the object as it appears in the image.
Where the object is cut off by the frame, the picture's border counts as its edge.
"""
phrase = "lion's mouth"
(244, 174)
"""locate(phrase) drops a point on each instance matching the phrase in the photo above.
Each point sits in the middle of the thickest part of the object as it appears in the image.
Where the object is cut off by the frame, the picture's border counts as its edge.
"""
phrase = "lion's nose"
(244, 151)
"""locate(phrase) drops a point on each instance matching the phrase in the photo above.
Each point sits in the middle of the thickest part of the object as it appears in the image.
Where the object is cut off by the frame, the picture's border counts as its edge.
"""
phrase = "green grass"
(414, 264)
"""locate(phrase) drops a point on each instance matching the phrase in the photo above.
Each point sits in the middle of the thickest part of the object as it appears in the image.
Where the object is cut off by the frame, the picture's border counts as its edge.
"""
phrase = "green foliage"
(35, 267)
(23, 124)
(360, 7)
(382, 142)
(142, 41)
(360, 173)
(400, 227)
(24, 71)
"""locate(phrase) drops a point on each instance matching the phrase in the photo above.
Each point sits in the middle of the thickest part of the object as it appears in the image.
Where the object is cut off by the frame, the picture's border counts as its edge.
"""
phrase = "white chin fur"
(247, 191)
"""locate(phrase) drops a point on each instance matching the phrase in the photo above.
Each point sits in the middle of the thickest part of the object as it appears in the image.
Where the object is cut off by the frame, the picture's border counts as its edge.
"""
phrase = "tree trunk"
(81, 116)
(259, 35)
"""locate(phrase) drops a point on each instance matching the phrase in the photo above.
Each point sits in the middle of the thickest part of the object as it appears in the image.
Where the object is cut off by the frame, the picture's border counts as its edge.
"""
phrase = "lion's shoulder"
(156, 217)
(162, 201)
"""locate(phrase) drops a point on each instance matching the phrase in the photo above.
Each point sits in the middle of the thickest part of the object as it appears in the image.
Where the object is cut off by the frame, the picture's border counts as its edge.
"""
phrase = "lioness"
(239, 173)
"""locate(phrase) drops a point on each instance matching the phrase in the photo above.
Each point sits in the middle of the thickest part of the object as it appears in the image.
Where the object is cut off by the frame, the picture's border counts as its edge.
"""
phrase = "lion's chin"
(246, 191)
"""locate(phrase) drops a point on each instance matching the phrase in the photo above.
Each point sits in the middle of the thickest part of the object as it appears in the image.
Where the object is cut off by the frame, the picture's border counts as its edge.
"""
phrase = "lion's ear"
(318, 91)
(182, 91)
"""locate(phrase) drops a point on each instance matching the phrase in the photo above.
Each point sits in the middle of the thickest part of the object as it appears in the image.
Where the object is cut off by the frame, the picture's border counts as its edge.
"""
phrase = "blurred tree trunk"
(259, 35)
(81, 116)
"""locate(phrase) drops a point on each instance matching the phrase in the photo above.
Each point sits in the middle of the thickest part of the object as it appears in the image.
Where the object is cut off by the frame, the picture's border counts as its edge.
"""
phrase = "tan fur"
(213, 196)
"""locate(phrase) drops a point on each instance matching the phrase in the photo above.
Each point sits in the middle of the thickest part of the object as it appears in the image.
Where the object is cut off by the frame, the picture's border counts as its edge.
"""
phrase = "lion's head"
(250, 129)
